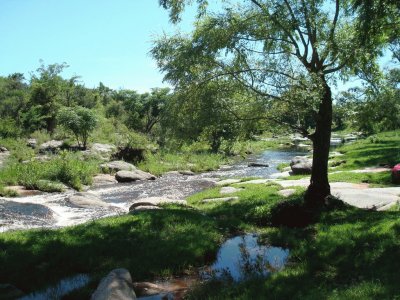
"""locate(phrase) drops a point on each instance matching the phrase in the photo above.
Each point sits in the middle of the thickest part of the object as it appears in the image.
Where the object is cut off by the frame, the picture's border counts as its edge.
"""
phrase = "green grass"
(160, 163)
(149, 244)
(251, 211)
(349, 254)
(380, 149)
(67, 168)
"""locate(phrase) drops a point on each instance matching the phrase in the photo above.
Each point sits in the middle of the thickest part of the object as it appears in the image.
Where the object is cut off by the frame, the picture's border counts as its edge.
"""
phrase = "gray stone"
(22, 191)
(301, 165)
(118, 165)
(104, 179)
(228, 181)
(155, 201)
(256, 164)
(31, 143)
(3, 149)
(51, 146)
(186, 172)
(224, 199)
(229, 190)
(86, 200)
(287, 192)
(129, 176)
(117, 285)
(103, 148)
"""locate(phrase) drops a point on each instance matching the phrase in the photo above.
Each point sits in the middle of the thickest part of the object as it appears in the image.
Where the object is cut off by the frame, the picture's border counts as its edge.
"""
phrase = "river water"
(52, 210)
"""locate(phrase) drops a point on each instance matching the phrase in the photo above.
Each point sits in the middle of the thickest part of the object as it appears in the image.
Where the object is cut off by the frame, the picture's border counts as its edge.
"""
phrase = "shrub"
(78, 120)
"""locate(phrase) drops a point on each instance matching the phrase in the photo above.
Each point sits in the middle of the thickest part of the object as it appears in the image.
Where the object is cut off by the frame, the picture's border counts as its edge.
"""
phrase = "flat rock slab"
(356, 194)
(104, 179)
(224, 199)
(287, 192)
(23, 191)
(186, 172)
(51, 146)
(228, 181)
(129, 176)
(117, 165)
(229, 190)
(155, 201)
(86, 200)
(256, 181)
(379, 198)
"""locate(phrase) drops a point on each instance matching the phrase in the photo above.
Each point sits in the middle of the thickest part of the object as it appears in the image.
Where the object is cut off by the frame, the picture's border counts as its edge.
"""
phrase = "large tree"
(288, 52)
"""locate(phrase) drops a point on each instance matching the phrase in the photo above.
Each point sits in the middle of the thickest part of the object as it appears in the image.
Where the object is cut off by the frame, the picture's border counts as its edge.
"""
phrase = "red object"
(396, 174)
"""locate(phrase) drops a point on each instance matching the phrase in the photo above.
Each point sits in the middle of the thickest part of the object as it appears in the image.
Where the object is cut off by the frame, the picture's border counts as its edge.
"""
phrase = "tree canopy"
(287, 53)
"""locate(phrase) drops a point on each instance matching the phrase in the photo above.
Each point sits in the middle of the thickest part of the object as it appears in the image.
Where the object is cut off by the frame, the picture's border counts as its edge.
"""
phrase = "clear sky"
(101, 40)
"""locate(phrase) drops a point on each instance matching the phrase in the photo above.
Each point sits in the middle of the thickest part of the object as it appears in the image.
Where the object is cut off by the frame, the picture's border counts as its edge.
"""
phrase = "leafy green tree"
(46, 93)
(275, 49)
(80, 121)
(13, 98)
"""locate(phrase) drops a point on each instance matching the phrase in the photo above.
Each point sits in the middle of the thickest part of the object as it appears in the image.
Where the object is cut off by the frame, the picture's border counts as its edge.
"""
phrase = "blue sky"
(101, 40)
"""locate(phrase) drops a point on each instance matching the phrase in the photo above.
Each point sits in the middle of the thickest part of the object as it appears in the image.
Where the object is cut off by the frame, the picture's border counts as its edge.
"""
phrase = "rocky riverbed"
(107, 198)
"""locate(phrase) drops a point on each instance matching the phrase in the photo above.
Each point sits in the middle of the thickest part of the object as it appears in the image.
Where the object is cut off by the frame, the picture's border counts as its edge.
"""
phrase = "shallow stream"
(52, 210)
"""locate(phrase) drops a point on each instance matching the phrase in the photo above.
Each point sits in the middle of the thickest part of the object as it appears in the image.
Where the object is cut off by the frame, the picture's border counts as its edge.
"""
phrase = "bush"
(80, 121)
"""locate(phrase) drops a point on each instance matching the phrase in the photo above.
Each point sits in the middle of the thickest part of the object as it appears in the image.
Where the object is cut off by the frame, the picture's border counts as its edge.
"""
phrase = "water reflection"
(64, 287)
(242, 257)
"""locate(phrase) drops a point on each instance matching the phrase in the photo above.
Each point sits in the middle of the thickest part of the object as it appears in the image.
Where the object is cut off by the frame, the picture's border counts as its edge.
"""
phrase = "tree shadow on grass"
(147, 244)
(349, 254)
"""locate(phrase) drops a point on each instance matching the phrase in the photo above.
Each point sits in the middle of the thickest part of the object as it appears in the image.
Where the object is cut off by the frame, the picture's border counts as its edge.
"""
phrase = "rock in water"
(117, 285)
(129, 176)
(256, 164)
(86, 200)
(117, 165)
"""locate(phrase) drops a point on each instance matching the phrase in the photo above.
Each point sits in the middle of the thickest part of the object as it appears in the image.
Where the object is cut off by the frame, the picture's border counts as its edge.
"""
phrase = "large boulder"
(117, 285)
(103, 179)
(396, 174)
(86, 200)
(129, 176)
(301, 165)
(51, 146)
(104, 151)
(117, 165)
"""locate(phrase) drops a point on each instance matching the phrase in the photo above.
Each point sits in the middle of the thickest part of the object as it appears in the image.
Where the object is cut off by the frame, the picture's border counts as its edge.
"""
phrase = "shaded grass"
(349, 254)
(148, 244)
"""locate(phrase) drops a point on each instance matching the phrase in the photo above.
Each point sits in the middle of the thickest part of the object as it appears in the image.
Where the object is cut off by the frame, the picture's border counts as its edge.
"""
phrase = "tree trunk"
(319, 187)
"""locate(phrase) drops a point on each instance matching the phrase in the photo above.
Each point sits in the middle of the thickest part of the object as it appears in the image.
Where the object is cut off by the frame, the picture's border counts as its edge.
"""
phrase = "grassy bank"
(49, 176)
(347, 253)
(380, 149)
(149, 244)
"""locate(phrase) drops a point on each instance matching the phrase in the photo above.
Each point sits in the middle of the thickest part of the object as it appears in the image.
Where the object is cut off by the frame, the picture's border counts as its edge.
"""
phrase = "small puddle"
(64, 287)
(241, 257)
